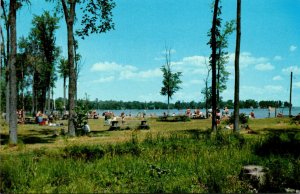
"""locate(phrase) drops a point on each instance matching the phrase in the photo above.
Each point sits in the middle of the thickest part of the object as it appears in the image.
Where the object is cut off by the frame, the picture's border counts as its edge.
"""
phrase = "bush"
(84, 152)
(243, 119)
(80, 119)
(177, 118)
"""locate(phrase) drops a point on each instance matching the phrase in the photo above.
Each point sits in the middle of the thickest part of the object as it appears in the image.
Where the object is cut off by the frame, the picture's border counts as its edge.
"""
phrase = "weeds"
(188, 161)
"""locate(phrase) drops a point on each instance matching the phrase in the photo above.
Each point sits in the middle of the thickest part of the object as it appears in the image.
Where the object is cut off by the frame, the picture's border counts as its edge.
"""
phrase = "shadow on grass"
(283, 142)
(99, 133)
(198, 133)
(36, 139)
(35, 136)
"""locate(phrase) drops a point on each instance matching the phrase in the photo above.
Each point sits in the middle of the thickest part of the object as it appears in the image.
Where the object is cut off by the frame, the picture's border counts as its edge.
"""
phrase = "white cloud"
(273, 88)
(111, 66)
(104, 80)
(277, 58)
(293, 48)
(277, 78)
(196, 60)
(123, 71)
(140, 74)
(264, 67)
(150, 73)
(294, 69)
(191, 65)
(297, 85)
(246, 59)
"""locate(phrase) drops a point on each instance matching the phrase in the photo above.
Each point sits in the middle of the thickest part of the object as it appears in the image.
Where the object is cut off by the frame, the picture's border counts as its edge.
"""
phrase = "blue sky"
(124, 64)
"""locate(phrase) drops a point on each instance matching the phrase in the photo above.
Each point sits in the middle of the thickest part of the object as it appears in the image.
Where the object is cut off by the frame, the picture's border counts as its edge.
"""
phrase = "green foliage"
(80, 119)
(87, 153)
(280, 144)
(171, 80)
(97, 17)
(186, 161)
(177, 118)
(243, 119)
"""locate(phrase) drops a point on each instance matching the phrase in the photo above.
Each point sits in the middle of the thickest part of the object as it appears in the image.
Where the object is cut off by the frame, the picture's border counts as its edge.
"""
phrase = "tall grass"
(188, 161)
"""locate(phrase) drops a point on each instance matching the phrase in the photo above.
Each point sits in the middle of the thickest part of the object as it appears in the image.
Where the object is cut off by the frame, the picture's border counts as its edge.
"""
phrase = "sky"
(124, 64)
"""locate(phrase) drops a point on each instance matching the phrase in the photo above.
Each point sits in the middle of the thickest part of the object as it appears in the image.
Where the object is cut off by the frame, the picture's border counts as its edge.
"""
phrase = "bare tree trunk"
(13, 138)
(69, 17)
(291, 89)
(2, 58)
(65, 93)
(213, 64)
(7, 94)
(237, 68)
(168, 104)
(218, 80)
(49, 101)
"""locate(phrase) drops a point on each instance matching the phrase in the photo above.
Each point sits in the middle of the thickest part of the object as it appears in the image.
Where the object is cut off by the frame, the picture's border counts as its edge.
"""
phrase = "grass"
(170, 157)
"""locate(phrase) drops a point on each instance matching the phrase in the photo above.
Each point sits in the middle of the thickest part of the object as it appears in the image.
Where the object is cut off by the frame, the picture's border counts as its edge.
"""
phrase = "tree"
(213, 60)
(222, 44)
(2, 51)
(236, 68)
(171, 80)
(5, 56)
(97, 18)
(12, 82)
(63, 70)
(207, 90)
(42, 47)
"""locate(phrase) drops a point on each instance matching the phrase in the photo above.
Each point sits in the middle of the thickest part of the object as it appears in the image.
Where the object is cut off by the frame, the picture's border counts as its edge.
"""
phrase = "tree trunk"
(2, 58)
(168, 104)
(218, 79)
(65, 93)
(69, 18)
(213, 64)
(13, 138)
(49, 101)
(7, 96)
(237, 68)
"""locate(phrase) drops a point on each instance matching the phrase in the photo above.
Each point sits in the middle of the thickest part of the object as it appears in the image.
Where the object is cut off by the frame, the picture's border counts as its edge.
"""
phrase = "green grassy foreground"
(170, 157)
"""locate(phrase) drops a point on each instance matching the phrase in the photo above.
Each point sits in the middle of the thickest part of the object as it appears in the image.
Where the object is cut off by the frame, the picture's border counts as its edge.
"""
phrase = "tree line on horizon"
(119, 105)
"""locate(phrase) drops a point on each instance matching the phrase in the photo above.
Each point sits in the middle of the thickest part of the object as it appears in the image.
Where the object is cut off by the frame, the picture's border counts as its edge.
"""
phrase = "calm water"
(259, 113)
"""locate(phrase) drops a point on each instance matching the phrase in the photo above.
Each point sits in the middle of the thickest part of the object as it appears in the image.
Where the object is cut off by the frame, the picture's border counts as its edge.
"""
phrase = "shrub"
(177, 118)
(84, 152)
(243, 119)
(80, 118)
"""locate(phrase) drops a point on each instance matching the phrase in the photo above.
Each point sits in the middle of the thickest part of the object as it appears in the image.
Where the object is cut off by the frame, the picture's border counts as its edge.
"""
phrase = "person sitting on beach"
(252, 114)
(188, 112)
(218, 116)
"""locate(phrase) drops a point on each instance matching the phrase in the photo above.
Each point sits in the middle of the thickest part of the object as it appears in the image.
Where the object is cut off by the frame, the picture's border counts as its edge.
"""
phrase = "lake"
(259, 113)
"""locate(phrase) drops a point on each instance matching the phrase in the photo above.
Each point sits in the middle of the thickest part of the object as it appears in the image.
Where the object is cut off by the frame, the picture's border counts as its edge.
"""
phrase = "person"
(123, 117)
(188, 112)
(226, 111)
(252, 114)
(269, 113)
(218, 116)
(86, 128)
(39, 117)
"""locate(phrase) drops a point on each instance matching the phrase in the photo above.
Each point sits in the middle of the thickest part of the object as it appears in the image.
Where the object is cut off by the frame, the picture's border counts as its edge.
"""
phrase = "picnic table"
(114, 125)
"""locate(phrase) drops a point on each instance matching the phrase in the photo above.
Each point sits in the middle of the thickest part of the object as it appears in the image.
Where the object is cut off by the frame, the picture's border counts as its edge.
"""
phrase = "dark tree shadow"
(198, 133)
(41, 135)
(4, 139)
(283, 142)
